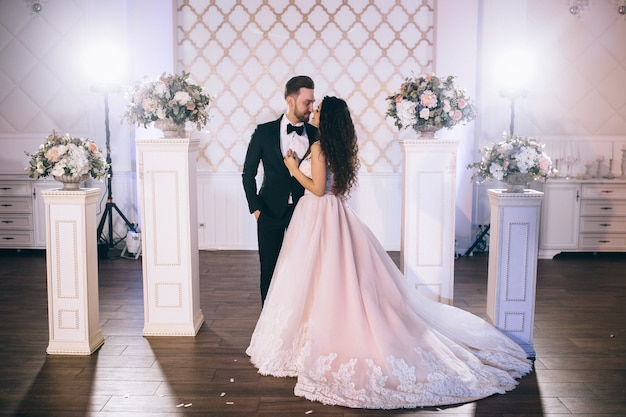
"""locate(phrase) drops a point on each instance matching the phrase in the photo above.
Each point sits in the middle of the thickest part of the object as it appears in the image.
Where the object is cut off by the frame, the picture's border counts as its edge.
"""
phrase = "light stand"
(512, 124)
(109, 239)
(512, 95)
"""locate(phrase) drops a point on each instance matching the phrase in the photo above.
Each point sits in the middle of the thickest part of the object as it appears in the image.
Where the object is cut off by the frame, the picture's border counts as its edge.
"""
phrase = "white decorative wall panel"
(225, 223)
(223, 217)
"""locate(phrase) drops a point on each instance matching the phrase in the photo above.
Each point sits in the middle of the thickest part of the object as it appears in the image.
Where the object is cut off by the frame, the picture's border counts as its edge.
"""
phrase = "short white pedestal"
(72, 265)
(428, 210)
(168, 199)
(513, 246)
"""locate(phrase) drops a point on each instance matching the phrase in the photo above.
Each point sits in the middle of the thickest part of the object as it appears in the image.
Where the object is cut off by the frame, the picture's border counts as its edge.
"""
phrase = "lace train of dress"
(341, 317)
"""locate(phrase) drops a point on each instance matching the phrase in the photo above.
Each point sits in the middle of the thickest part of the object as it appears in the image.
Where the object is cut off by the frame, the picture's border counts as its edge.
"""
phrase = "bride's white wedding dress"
(341, 317)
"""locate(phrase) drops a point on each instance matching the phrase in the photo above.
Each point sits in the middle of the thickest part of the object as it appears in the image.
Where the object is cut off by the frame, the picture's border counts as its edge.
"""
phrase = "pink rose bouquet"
(430, 101)
(515, 154)
(170, 97)
(67, 155)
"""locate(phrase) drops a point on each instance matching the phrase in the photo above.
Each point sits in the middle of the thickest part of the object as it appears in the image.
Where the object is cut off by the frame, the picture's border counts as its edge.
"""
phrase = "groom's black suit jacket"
(273, 196)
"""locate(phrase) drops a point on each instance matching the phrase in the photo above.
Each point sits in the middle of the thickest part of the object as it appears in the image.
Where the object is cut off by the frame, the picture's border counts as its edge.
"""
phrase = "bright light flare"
(513, 71)
(105, 64)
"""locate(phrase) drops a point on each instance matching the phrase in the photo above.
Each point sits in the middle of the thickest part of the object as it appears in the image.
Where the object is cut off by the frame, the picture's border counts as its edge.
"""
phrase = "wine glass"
(570, 160)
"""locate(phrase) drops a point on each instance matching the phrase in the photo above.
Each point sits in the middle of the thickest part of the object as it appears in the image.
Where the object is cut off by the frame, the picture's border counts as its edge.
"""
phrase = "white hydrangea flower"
(497, 171)
(406, 113)
(182, 98)
(161, 89)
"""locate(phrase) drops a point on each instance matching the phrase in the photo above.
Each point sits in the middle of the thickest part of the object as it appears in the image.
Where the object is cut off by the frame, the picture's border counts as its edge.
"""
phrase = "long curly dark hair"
(339, 143)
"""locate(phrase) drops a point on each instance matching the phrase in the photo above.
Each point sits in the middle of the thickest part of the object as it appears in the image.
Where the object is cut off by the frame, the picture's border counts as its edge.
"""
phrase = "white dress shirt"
(297, 143)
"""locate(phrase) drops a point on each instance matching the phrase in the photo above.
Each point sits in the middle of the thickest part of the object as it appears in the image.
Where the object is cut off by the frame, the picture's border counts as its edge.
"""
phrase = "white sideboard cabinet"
(22, 212)
(583, 216)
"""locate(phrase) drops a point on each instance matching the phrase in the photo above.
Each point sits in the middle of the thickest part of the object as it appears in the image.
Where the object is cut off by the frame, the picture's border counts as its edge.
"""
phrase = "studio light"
(105, 64)
(513, 73)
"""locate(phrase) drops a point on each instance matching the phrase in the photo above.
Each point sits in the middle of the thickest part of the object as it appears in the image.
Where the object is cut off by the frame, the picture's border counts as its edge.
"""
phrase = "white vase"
(170, 129)
(517, 181)
(71, 182)
(427, 132)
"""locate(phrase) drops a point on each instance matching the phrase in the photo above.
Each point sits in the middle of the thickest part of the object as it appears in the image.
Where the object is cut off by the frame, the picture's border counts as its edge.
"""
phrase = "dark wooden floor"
(580, 339)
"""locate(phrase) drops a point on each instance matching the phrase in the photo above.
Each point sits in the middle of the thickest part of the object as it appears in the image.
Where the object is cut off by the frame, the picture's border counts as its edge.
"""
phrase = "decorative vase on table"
(170, 129)
(505, 160)
(71, 182)
(429, 103)
(427, 131)
(517, 181)
(66, 153)
(169, 102)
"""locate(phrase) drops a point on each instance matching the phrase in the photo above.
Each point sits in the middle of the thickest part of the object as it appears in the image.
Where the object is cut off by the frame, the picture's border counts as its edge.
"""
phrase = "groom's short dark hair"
(294, 85)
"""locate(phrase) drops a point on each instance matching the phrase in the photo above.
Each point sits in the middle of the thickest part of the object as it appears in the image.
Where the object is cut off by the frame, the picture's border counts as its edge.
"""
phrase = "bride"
(343, 320)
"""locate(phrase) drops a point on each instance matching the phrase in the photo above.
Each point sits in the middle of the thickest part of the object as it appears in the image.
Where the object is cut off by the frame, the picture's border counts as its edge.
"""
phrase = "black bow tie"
(298, 129)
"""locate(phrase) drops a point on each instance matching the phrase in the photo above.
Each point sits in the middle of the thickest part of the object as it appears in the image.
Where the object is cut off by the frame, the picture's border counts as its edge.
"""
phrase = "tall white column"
(512, 277)
(428, 210)
(170, 259)
(72, 270)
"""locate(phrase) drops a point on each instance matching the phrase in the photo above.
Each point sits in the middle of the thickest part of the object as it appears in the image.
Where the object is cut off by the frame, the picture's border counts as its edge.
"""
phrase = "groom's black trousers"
(270, 234)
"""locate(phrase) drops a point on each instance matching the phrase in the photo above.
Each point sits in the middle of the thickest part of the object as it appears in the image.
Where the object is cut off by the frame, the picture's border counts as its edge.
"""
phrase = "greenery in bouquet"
(67, 155)
(514, 154)
(430, 101)
(169, 97)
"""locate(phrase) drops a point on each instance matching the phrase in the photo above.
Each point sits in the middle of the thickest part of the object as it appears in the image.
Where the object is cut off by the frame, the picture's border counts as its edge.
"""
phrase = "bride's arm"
(317, 183)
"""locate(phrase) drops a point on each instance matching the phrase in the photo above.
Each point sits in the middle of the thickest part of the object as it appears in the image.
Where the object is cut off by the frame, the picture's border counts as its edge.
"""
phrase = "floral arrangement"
(515, 154)
(170, 97)
(430, 101)
(67, 155)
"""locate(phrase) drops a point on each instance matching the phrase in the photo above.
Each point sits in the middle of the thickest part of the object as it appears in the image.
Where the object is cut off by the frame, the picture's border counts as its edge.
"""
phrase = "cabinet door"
(559, 216)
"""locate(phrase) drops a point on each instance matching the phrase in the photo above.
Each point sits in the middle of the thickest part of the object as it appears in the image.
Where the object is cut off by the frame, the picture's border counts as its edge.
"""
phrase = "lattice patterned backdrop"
(244, 51)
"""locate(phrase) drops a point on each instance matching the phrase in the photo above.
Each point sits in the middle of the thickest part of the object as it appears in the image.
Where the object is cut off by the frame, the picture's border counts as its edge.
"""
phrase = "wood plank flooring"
(580, 340)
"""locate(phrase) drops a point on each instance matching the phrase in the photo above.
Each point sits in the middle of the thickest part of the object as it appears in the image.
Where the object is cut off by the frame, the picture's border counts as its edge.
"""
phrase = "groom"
(273, 204)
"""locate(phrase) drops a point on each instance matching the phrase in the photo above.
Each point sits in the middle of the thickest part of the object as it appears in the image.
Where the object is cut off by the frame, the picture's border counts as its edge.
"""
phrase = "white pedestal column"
(72, 265)
(513, 247)
(428, 209)
(168, 199)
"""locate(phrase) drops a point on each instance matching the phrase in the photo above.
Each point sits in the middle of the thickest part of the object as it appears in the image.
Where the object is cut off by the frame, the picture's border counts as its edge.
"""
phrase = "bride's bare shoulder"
(316, 149)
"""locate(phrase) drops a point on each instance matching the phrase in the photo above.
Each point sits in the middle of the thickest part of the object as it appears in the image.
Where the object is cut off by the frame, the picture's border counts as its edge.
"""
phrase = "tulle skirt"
(343, 320)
